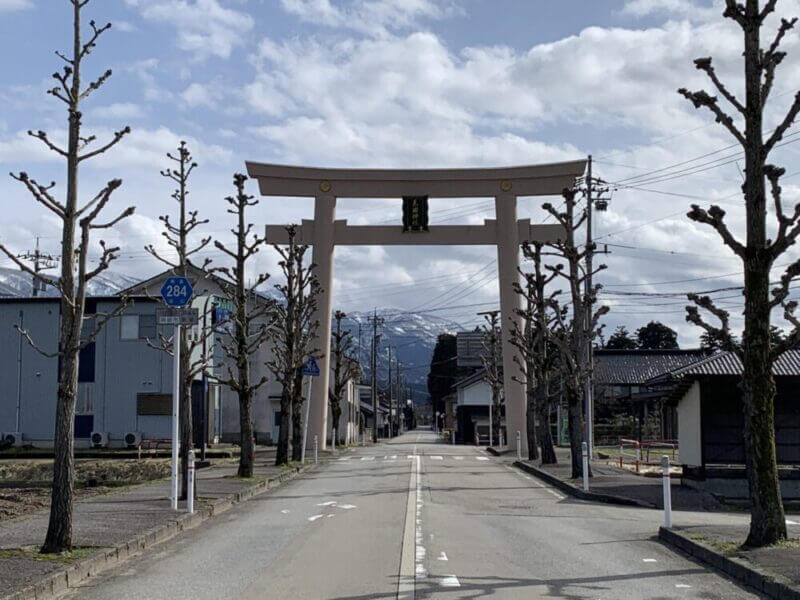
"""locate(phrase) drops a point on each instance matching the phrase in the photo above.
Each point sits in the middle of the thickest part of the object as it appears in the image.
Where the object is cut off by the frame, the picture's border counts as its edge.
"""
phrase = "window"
(147, 327)
(154, 405)
(129, 327)
(86, 359)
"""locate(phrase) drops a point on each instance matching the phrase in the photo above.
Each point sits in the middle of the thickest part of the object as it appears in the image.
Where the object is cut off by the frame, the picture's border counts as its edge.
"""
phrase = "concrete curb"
(59, 582)
(577, 492)
(734, 567)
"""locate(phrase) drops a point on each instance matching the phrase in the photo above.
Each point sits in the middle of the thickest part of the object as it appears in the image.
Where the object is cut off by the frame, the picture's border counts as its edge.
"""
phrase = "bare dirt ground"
(93, 477)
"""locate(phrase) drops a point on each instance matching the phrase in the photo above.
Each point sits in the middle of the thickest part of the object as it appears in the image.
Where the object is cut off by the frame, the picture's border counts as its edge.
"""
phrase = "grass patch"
(63, 558)
(254, 479)
(724, 548)
(793, 544)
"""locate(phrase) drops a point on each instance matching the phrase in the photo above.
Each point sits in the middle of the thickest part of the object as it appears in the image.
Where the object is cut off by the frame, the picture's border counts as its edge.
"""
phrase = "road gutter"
(406, 579)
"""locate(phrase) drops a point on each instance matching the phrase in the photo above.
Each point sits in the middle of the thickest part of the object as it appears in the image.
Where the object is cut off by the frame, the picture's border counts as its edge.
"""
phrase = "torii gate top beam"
(530, 180)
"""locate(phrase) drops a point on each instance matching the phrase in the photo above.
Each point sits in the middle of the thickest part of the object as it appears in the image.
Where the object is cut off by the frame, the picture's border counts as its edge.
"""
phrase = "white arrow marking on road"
(442, 556)
(481, 458)
(314, 518)
(450, 581)
(285, 511)
(326, 504)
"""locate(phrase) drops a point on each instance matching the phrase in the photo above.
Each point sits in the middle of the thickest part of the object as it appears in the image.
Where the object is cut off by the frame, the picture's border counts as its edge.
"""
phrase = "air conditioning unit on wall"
(99, 439)
(133, 439)
(14, 438)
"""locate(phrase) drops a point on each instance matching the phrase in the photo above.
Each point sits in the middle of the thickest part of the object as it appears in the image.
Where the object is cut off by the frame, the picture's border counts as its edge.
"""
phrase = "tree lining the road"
(758, 253)
(76, 221)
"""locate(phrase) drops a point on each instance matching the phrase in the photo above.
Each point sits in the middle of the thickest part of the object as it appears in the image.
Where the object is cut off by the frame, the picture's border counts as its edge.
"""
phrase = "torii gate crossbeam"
(505, 185)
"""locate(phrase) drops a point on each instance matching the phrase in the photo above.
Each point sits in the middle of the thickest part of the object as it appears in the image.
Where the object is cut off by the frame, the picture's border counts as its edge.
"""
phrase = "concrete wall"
(689, 426)
(475, 394)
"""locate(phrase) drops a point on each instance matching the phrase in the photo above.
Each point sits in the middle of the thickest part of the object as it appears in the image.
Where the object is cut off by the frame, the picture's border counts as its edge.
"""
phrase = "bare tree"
(76, 221)
(536, 364)
(293, 338)
(758, 254)
(177, 236)
(251, 313)
(492, 361)
(345, 368)
(574, 332)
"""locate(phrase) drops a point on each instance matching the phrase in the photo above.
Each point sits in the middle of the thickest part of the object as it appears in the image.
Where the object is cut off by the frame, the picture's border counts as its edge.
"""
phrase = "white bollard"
(190, 484)
(519, 446)
(667, 492)
(333, 440)
(585, 453)
(316, 450)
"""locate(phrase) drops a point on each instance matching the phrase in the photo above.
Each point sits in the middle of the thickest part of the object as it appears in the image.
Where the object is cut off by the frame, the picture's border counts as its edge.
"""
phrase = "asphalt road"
(417, 519)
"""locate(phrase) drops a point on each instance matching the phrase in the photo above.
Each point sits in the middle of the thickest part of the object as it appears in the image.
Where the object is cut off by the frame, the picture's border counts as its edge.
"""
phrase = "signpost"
(309, 370)
(176, 292)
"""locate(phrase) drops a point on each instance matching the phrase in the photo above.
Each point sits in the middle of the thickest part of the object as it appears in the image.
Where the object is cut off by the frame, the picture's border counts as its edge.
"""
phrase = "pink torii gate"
(506, 232)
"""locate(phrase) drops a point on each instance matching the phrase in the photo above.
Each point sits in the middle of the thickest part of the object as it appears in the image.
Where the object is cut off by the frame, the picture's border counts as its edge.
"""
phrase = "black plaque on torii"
(415, 213)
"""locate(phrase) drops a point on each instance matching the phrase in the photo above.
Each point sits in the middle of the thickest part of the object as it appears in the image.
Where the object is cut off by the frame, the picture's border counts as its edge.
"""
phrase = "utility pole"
(398, 395)
(589, 401)
(376, 322)
(389, 385)
(41, 262)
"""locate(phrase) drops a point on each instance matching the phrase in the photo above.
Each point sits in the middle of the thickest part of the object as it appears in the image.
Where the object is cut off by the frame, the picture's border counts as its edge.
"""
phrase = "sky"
(411, 83)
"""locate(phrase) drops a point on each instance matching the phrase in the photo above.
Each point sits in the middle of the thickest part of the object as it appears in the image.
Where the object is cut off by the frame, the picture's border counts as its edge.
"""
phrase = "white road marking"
(346, 506)
(481, 458)
(314, 518)
(459, 457)
(450, 581)
(411, 456)
(437, 458)
(649, 560)
(367, 458)
(682, 586)
(331, 515)
(788, 522)
(285, 511)
(405, 583)
(393, 457)
(326, 503)
(442, 556)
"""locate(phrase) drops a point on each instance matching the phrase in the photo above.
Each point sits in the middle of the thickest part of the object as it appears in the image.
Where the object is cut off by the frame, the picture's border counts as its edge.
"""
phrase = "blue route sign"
(176, 291)
(311, 368)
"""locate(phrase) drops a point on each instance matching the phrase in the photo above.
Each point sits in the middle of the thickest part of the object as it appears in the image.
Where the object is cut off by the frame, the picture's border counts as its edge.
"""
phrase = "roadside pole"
(305, 421)
(176, 393)
(585, 454)
(667, 492)
(190, 484)
(519, 446)
(491, 439)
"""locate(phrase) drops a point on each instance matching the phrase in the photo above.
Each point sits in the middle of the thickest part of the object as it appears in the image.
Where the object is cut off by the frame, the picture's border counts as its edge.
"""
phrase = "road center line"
(406, 579)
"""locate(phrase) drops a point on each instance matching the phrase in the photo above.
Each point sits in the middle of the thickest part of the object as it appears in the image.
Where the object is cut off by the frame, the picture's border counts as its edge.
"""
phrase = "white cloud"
(198, 94)
(683, 8)
(125, 26)
(119, 110)
(11, 5)
(373, 17)
(205, 28)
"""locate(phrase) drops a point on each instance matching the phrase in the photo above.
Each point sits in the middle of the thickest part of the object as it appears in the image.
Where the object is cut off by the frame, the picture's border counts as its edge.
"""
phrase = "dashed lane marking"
(367, 458)
(437, 458)
(346, 506)
(450, 581)
(343, 458)
(314, 518)
(682, 586)
(481, 458)
(285, 511)
(331, 503)
(649, 560)
(442, 556)
(459, 457)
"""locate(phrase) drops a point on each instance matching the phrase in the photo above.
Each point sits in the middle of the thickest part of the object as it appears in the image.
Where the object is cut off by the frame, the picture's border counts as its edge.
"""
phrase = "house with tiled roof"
(708, 402)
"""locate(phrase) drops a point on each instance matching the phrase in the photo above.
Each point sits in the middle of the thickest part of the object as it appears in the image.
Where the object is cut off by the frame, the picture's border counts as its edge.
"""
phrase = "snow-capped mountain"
(14, 282)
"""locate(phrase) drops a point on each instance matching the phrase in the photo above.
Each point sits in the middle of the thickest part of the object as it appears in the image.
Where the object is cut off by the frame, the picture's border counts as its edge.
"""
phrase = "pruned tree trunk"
(545, 433)
(247, 457)
(297, 417)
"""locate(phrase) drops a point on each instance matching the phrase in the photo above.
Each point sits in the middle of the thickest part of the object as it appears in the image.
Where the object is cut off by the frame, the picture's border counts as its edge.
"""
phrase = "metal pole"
(491, 438)
(519, 446)
(190, 484)
(588, 283)
(667, 492)
(316, 449)
(176, 392)
(585, 453)
(333, 439)
(305, 423)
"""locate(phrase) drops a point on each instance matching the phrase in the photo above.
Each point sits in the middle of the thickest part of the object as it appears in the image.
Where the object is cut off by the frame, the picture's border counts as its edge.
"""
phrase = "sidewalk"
(609, 483)
(121, 523)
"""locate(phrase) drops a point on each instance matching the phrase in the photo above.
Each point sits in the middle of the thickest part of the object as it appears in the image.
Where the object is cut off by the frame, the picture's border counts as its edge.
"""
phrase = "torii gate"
(324, 232)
